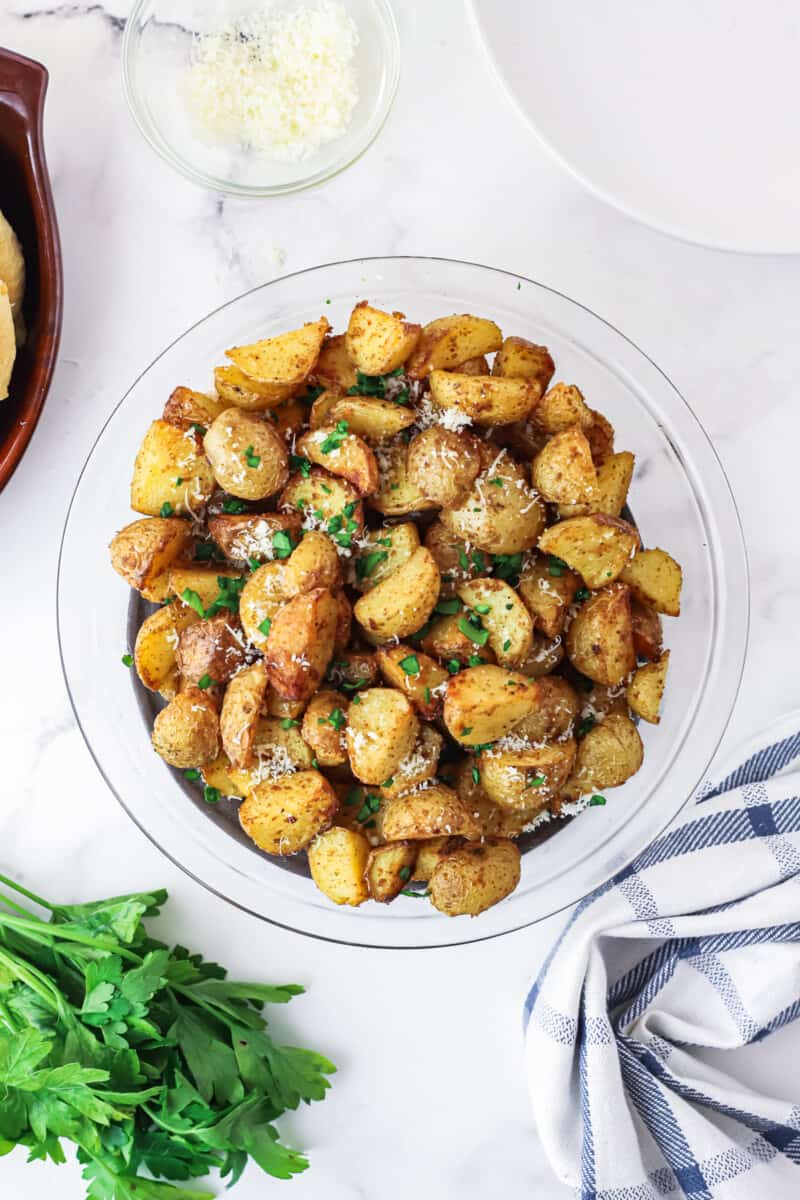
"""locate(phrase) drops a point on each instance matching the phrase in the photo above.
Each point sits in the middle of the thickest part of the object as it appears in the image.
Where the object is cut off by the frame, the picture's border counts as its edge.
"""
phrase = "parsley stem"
(65, 934)
(17, 887)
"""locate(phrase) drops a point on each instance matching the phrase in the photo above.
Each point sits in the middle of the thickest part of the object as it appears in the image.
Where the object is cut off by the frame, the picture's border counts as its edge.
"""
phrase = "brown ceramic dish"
(27, 201)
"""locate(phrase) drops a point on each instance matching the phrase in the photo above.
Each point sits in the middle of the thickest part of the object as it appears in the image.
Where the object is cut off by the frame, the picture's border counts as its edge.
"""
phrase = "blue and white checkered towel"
(695, 944)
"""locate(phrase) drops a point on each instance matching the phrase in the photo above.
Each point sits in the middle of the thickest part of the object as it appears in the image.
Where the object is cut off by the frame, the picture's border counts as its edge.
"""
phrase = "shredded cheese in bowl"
(282, 83)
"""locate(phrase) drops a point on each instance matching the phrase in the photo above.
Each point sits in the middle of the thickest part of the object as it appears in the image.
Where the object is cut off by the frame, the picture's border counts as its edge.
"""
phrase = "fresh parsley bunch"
(142, 1056)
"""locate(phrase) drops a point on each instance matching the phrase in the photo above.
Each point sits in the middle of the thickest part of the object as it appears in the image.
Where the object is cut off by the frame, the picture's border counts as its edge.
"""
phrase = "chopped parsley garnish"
(192, 774)
(586, 725)
(289, 723)
(497, 481)
(410, 664)
(232, 505)
(211, 794)
(472, 627)
(463, 561)
(478, 561)
(427, 695)
(506, 645)
(388, 782)
(353, 796)
(476, 775)
(405, 874)
(482, 609)
(481, 747)
(179, 481)
(596, 800)
(384, 541)
(228, 596)
(328, 491)
(253, 563)
(166, 509)
(336, 718)
(414, 895)
(475, 660)
(507, 566)
(335, 438)
(367, 563)
(371, 805)
(312, 393)
(371, 385)
(282, 543)
(355, 685)
(536, 782)
(556, 566)
(298, 463)
(127, 660)
(190, 597)
(204, 551)
(196, 427)
(453, 666)
(251, 458)
(582, 594)
(265, 626)
(466, 731)
(205, 681)
(448, 607)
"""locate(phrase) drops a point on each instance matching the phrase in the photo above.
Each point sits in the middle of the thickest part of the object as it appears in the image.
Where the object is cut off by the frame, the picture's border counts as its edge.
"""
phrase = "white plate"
(685, 115)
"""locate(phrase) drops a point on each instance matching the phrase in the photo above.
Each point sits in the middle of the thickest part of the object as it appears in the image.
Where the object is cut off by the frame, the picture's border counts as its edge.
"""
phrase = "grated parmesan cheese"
(283, 83)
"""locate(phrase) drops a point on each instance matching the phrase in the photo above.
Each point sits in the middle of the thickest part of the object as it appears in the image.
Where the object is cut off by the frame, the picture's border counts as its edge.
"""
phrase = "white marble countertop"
(430, 1098)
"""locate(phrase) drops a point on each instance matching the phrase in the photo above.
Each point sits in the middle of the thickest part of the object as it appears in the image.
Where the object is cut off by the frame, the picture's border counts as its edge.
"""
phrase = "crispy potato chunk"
(261, 600)
(241, 708)
(521, 779)
(323, 727)
(502, 517)
(283, 816)
(562, 407)
(445, 640)
(607, 756)
(288, 358)
(246, 536)
(379, 342)
(486, 399)
(646, 630)
(248, 457)
(543, 657)
(448, 341)
(371, 418)
(144, 550)
(186, 407)
(474, 366)
(335, 368)
(387, 549)
(381, 732)
(328, 498)
(276, 749)
(473, 878)
(600, 636)
(611, 490)
(388, 870)
(600, 436)
(300, 643)
(504, 616)
(188, 582)
(353, 670)
(597, 547)
(419, 765)
(338, 861)
(548, 590)
(484, 703)
(396, 495)
(217, 775)
(170, 474)
(313, 563)
(455, 565)
(519, 358)
(444, 464)
(211, 649)
(402, 603)
(646, 689)
(236, 388)
(430, 852)
(341, 453)
(415, 674)
(186, 732)
(156, 645)
(555, 714)
(433, 811)
(655, 579)
(563, 471)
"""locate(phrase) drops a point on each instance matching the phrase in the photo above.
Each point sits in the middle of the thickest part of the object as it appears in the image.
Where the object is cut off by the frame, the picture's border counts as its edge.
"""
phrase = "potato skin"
(321, 492)
(326, 739)
(543, 657)
(241, 708)
(168, 454)
(203, 581)
(555, 714)
(448, 341)
(396, 495)
(388, 869)
(450, 554)
(372, 419)
(425, 688)
(350, 457)
(250, 476)
(379, 342)
(561, 407)
(156, 645)
(212, 647)
(475, 877)
(313, 563)
(186, 732)
(563, 471)
(547, 596)
(261, 600)
(600, 637)
(498, 519)
(300, 643)
(396, 543)
(487, 702)
(509, 776)
(337, 860)
(284, 815)
(487, 399)
(597, 547)
(186, 407)
(287, 358)
(431, 812)
(443, 464)
(242, 536)
(429, 852)
(508, 622)
(517, 357)
(646, 630)
(607, 756)
(655, 579)
(335, 368)
(402, 603)
(145, 549)
(381, 731)
(242, 391)
(646, 688)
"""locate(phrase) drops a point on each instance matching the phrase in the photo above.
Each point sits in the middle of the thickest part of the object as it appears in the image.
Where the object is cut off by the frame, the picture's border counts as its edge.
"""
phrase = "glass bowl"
(156, 50)
(680, 498)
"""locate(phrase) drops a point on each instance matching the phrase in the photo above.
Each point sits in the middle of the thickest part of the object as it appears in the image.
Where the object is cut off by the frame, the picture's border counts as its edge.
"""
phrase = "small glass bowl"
(156, 51)
(681, 500)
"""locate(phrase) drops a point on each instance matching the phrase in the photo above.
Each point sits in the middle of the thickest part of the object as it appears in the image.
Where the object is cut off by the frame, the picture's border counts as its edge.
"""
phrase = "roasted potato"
(278, 747)
(418, 766)
(186, 732)
(646, 630)
(502, 615)
(444, 639)
(485, 703)
(323, 727)
(288, 418)
(522, 779)
(415, 674)
(429, 812)
(474, 366)
(330, 501)
(156, 646)
(371, 418)
(277, 706)
(600, 436)
(170, 474)
(381, 731)
(430, 851)
(396, 495)
(555, 714)
(334, 367)
(245, 537)
(242, 391)
(186, 407)
(597, 547)
(283, 816)
(388, 869)
(608, 755)
(248, 457)
(261, 600)
(342, 453)
(448, 341)
(610, 492)
(300, 643)
(563, 471)
(502, 517)
(655, 579)
(486, 399)
(401, 603)
(338, 860)
(521, 359)
(562, 407)
(645, 690)
(200, 586)
(353, 670)
(385, 551)
(473, 878)
(600, 636)
(379, 342)
(313, 563)
(211, 651)
(288, 358)
(493, 820)
(548, 590)
(241, 708)
(143, 552)
(443, 464)
(456, 565)
(543, 657)
(217, 775)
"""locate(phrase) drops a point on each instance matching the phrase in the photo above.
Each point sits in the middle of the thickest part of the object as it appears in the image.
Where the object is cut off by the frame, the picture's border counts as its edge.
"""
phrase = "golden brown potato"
(379, 342)
(517, 357)
(288, 358)
(444, 639)
(522, 779)
(156, 644)
(600, 436)
(186, 732)
(562, 407)
(342, 453)
(402, 603)
(199, 586)
(543, 657)
(318, 414)
(353, 670)
(501, 614)
(387, 549)
(187, 407)
(493, 820)
(427, 813)
(600, 636)
(455, 564)
(300, 643)
(248, 457)
(388, 870)
(382, 729)
(415, 674)
(474, 366)
(655, 579)
(548, 589)
(242, 391)
(646, 630)
(608, 755)
(646, 689)
(288, 418)
(335, 368)
(555, 714)
(371, 418)
(473, 878)
(338, 861)
(283, 816)
(277, 706)
(563, 471)
(611, 489)
(484, 703)
(144, 550)
(429, 852)
(278, 747)
(448, 341)
(418, 766)
(211, 651)
(501, 515)
(241, 708)
(323, 727)
(597, 547)
(396, 494)
(216, 774)
(443, 464)
(170, 474)
(327, 499)
(486, 399)
(600, 700)
(313, 563)
(523, 438)
(246, 536)
(261, 600)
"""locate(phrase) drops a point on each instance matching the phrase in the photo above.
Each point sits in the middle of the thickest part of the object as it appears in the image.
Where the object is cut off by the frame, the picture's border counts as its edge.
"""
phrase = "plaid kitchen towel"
(695, 944)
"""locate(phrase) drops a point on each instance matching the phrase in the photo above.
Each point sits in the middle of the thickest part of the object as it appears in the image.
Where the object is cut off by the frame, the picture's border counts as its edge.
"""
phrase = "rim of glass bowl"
(152, 134)
(725, 548)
